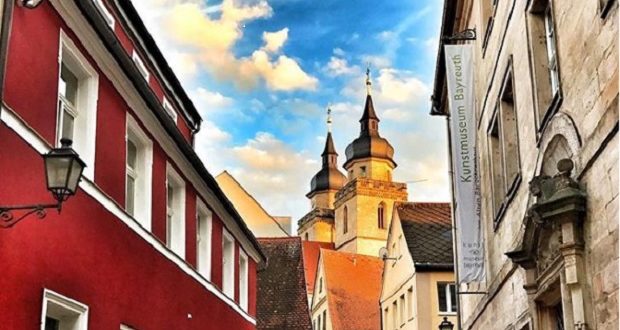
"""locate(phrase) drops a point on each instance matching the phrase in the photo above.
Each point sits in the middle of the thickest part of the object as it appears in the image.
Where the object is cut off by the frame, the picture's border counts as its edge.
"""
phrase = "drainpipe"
(6, 10)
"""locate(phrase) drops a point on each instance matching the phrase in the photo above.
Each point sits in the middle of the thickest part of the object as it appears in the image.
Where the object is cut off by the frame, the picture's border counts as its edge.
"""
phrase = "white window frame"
(244, 272)
(68, 305)
(144, 185)
(448, 310)
(170, 109)
(204, 238)
(175, 229)
(107, 15)
(552, 53)
(85, 124)
(137, 60)
(228, 269)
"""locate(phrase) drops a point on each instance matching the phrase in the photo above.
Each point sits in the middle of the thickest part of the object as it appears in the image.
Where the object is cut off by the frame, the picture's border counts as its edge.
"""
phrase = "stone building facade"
(546, 94)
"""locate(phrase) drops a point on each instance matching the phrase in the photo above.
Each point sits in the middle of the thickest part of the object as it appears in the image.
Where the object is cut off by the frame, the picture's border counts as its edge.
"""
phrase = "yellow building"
(256, 218)
(353, 211)
(418, 288)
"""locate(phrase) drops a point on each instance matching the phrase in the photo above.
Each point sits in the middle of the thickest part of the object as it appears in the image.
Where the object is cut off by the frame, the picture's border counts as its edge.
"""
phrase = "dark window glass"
(443, 300)
(51, 323)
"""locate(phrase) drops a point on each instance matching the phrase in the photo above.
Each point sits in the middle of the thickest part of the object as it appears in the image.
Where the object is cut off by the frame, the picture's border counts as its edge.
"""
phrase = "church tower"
(318, 224)
(363, 207)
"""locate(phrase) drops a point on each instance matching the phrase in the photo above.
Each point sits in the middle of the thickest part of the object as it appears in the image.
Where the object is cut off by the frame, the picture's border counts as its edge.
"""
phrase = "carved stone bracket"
(553, 235)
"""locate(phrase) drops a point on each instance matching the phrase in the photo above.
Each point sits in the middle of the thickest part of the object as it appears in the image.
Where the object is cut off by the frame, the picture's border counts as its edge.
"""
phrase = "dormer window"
(140, 65)
(107, 15)
(169, 109)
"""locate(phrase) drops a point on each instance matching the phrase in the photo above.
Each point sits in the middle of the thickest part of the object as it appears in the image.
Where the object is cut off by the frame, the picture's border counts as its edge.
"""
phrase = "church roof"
(427, 228)
(282, 301)
(353, 304)
(311, 251)
(369, 143)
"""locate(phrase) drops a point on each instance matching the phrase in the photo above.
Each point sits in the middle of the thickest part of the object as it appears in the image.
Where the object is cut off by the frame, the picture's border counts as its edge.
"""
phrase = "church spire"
(369, 122)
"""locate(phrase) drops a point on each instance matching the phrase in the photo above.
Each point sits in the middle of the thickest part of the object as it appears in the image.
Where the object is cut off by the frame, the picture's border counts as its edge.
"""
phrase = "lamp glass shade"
(63, 169)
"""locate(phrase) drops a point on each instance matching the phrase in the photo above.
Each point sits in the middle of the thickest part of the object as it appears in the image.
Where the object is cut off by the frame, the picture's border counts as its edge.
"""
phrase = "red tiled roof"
(311, 251)
(353, 284)
(282, 302)
(428, 231)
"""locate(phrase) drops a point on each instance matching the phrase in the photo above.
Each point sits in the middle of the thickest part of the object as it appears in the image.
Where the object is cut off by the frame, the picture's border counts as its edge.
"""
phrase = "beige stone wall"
(324, 199)
(319, 231)
(376, 169)
(587, 48)
(363, 235)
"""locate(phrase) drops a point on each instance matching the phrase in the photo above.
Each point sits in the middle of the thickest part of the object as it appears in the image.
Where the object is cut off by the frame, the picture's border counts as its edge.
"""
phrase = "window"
(324, 319)
(544, 58)
(228, 264)
(504, 162)
(410, 303)
(363, 171)
(139, 162)
(77, 102)
(204, 219)
(320, 285)
(345, 220)
(386, 318)
(306, 236)
(109, 18)
(243, 280)
(170, 109)
(62, 313)
(402, 310)
(395, 314)
(604, 6)
(140, 65)
(447, 297)
(319, 322)
(381, 216)
(175, 209)
(487, 9)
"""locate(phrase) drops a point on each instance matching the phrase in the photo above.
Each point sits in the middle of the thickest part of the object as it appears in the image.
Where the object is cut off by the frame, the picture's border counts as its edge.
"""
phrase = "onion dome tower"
(329, 178)
(317, 225)
(369, 155)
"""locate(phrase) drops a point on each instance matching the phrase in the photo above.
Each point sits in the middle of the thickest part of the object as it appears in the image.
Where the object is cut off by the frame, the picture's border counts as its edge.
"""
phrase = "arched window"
(345, 220)
(381, 216)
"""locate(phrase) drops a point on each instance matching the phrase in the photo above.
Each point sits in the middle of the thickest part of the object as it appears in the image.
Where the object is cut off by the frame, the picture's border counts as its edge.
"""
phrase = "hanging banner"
(460, 79)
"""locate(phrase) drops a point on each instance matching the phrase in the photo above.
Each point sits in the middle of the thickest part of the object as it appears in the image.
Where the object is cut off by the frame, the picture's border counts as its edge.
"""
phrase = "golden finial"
(368, 83)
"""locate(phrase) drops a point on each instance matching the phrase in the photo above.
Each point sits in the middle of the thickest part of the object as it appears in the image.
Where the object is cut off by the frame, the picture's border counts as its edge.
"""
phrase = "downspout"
(6, 8)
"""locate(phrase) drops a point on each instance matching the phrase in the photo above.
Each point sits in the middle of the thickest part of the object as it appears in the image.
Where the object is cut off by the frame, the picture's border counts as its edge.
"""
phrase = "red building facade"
(149, 241)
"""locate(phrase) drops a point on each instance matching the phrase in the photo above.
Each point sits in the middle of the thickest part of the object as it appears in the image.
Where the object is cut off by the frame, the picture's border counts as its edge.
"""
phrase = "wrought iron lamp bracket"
(465, 35)
(8, 219)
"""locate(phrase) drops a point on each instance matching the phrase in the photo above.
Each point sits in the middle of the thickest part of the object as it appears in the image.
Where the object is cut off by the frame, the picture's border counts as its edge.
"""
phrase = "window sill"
(516, 183)
(552, 109)
(447, 314)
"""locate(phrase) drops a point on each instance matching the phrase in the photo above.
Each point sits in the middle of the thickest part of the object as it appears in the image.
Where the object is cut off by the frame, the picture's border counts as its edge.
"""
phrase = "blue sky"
(262, 72)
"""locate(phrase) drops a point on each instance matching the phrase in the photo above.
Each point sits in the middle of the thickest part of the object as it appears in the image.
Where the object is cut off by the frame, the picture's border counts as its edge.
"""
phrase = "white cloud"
(275, 40)
(206, 100)
(339, 52)
(338, 66)
(209, 42)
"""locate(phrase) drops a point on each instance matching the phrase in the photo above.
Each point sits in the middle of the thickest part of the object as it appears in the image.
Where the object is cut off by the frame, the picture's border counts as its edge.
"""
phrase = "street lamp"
(63, 169)
(445, 324)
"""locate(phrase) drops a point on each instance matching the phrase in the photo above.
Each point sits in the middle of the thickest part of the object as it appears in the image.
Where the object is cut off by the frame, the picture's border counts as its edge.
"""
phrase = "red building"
(149, 241)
